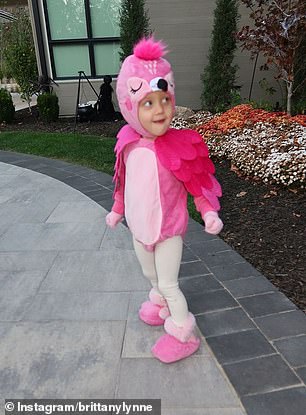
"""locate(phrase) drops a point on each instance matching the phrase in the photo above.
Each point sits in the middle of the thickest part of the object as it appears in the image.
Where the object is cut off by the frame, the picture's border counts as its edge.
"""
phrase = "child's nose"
(159, 107)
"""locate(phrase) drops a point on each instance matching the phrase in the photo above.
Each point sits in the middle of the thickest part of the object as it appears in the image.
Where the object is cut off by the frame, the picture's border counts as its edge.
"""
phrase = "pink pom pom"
(149, 49)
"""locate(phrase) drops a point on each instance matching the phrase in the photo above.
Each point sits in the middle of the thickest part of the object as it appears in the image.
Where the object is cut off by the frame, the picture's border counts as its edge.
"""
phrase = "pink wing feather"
(125, 136)
(187, 156)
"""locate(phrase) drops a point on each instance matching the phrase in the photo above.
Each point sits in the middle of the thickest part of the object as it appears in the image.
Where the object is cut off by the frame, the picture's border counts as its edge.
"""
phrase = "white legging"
(161, 267)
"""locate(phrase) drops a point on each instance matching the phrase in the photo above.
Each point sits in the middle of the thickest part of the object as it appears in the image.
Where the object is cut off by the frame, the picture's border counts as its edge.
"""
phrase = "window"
(83, 35)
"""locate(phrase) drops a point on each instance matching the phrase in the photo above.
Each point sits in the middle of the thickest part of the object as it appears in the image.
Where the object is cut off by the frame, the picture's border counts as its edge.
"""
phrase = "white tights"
(161, 267)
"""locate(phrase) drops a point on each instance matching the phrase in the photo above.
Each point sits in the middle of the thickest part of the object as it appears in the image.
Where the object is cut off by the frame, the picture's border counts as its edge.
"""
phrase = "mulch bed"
(263, 223)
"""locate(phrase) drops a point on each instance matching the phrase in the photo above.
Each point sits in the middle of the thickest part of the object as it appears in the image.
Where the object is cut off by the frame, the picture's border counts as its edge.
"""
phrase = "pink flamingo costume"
(153, 176)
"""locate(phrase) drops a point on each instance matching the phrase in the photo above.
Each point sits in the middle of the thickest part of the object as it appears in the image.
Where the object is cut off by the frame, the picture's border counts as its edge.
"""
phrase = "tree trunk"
(289, 96)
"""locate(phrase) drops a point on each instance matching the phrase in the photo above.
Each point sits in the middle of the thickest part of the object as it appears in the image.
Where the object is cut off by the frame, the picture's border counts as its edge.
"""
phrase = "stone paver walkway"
(71, 288)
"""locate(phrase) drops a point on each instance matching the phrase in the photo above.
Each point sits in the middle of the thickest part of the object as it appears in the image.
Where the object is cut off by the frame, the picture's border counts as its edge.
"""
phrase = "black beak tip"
(163, 85)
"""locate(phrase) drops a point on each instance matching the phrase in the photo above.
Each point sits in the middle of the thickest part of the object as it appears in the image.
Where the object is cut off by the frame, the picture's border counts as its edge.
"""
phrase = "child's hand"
(112, 219)
(213, 224)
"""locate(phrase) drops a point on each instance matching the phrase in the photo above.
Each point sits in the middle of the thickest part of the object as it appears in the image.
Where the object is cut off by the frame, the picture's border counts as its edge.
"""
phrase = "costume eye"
(133, 91)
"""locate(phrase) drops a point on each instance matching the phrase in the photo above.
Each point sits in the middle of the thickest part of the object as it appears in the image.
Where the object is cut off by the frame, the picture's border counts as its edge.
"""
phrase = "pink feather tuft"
(149, 49)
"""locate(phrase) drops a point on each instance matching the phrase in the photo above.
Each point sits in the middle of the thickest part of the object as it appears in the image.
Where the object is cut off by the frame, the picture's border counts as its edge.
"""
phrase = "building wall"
(186, 26)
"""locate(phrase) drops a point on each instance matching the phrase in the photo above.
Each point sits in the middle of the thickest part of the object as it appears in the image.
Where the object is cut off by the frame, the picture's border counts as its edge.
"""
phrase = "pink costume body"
(155, 201)
(153, 178)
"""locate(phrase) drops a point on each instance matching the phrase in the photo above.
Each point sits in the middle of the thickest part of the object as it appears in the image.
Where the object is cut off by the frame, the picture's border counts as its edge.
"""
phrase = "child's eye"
(148, 104)
(165, 100)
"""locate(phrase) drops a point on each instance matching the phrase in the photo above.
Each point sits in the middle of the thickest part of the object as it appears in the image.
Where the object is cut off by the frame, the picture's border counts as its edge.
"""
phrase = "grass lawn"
(91, 151)
(86, 150)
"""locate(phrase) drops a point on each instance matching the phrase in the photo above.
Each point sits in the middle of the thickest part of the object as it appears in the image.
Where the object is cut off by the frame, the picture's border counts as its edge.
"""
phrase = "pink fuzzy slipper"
(155, 311)
(149, 314)
(168, 349)
(178, 343)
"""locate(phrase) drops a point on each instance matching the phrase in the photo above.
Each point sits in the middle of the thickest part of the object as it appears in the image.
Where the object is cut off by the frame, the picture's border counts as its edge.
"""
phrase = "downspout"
(37, 31)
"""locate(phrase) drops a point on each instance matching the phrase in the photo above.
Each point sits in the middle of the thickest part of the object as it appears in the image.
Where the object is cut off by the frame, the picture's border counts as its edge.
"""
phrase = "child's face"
(155, 113)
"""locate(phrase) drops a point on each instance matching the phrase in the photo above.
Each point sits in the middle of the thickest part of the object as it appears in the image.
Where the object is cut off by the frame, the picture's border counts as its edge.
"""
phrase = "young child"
(156, 166)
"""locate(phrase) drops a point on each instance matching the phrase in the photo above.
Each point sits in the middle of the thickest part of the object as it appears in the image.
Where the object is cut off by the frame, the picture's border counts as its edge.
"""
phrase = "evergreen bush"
(7, 109)
(220, 73)
(134, 25)
(48, 107)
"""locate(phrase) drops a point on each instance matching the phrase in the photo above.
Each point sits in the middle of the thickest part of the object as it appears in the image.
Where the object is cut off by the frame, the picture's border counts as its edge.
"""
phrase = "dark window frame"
(90, 41)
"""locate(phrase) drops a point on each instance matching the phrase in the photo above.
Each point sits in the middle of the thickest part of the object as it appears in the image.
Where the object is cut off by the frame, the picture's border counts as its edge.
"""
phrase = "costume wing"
(125, 136)
(186, 155)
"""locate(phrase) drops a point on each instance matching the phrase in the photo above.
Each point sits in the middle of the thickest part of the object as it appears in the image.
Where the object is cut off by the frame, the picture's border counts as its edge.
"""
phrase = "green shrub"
(220, 73)
(134, 24)
(48, 107)
(7, 109)
(261, 104)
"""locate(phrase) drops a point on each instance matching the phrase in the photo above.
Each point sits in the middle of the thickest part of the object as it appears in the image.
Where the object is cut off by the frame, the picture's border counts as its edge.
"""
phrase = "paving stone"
(293, 349)
(86, 211)
(95, 192)
(25, 193)
(98, 177)
(76, 182)
(198, 235)
(264, 304)
(287, 324)
(244, 287)
(18, 289)
(9, 169)
(219, 258)
(13, 213)
(224, 322)
(194, 226)
(96, 271)
(188, 255)
(140, 337)
(260, 375)
(210, 390)
(283, 402)
(76, 169)
(204, 248)
(60, 359)
(13, 158)
(227, 272)
(193, 268)
(52, 236)
(105, 201)
(211, 301)
(9, 157)
(137, 298)
(27, 260)
(302, 373)
(200, 284)
(55, 173)
(86, 306)
(244, 345)
(118, 238)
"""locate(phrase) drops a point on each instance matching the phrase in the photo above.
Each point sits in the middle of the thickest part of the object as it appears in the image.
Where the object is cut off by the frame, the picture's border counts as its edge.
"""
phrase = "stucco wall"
(186, 26)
